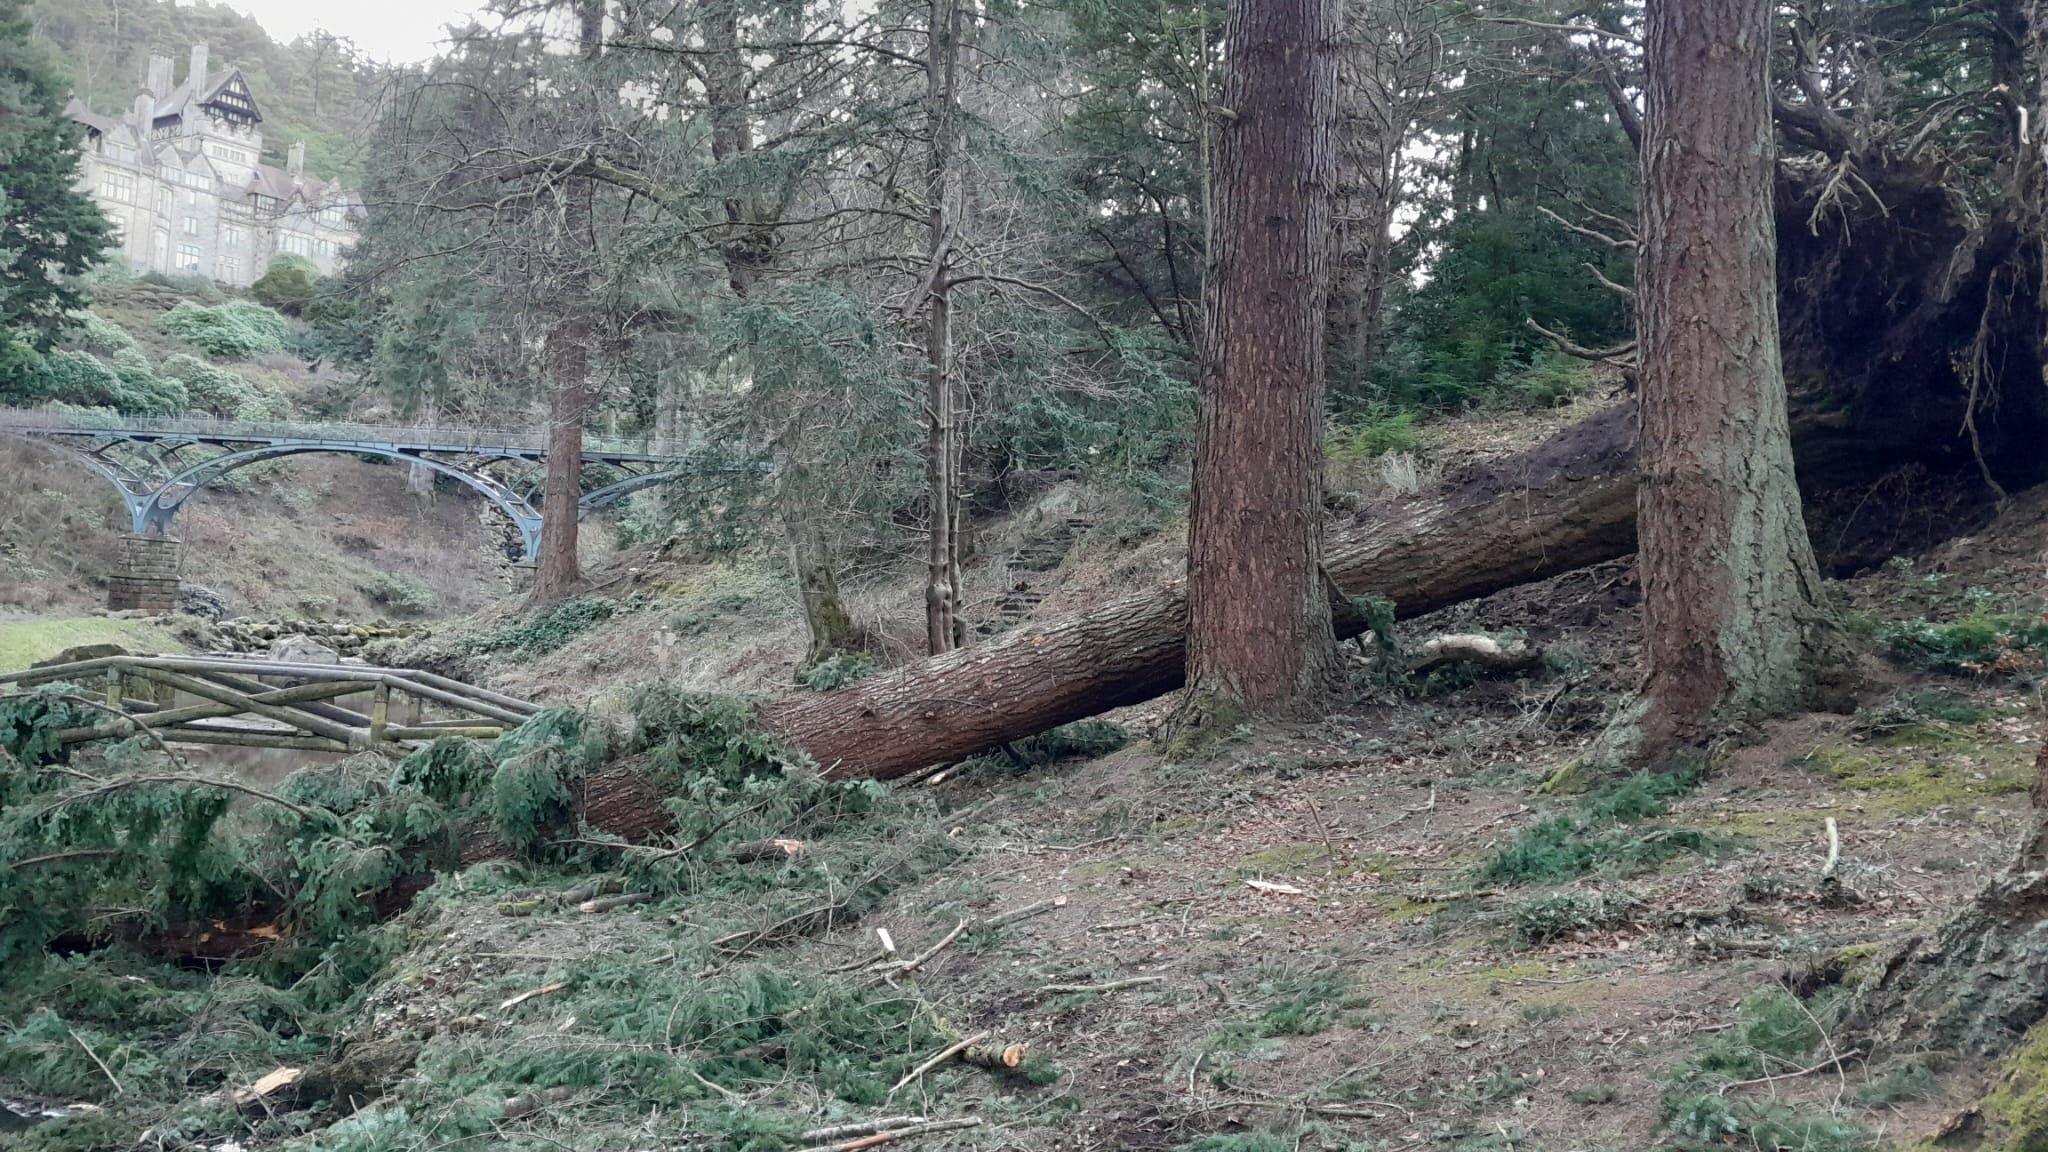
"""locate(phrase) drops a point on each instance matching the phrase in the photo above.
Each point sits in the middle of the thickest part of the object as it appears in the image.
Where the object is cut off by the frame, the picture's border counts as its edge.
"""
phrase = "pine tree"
(49, 231)
(1731, 616)
(1260, 636)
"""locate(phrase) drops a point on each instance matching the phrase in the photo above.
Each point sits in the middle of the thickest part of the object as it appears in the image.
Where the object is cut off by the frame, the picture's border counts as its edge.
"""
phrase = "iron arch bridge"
(158, 463)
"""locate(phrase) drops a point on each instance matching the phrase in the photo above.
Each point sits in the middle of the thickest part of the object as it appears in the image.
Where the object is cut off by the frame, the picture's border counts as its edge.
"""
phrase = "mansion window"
(191, 225)
(117, 186)
(331, 214)
(227, 268)
(265, 203)
(231, 155)
(231, 235)
(163, 202)
(188, 257)
(122, 152)
(295, 243)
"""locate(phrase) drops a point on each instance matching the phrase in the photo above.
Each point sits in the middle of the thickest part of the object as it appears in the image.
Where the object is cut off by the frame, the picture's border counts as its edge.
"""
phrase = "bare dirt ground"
(1296, 932)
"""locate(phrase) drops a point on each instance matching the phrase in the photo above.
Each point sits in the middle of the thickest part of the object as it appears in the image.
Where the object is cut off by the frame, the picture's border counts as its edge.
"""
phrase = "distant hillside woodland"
(317, 88)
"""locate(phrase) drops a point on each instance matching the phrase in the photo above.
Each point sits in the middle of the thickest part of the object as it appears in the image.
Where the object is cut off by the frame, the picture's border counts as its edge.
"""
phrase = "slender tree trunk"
(944, 628)
(813, 560)
(1730, 589)
(1377, 87)
(557, 570)
(748, 249)
(1259, 633)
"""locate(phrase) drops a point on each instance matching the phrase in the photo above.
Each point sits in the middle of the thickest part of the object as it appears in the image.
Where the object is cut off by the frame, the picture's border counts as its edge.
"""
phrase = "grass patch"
(1603, 834)
(24, 642)
(1984, 643)
(1774, 1033)
(1918, 768)
(1562, 914)
(546, 630)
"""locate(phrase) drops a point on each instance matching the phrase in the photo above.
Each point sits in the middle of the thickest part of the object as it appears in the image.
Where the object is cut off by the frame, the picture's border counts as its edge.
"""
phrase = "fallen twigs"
(946, 1054)
(894, 1134)
(1107, 986)
(889, 969)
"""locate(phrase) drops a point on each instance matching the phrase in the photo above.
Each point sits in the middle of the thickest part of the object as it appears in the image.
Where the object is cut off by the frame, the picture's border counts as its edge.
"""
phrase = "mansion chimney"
(197, 76)
(159, 81)
(144, 114)
(295, 162)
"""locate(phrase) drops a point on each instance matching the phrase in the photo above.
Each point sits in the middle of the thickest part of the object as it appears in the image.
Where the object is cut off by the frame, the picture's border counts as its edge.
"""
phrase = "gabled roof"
(76, 110)
(278, 184)
(231, 92)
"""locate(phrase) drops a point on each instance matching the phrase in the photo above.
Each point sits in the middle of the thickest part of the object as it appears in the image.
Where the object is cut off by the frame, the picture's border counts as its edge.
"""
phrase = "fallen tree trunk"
(1569, 503)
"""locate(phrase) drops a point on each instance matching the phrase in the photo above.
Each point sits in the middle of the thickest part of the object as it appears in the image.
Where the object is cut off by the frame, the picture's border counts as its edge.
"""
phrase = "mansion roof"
(173, 146)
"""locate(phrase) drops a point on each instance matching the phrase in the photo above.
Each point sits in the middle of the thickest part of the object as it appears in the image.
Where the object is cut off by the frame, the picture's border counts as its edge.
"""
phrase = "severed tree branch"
(1619, 354)
(1617, 243)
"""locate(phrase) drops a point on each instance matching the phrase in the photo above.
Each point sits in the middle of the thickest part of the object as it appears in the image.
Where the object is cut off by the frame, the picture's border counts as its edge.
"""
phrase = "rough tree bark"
(1387, 64)
(1259, 633)
(944, 629)
(558, 571)
(1730, 587)
(814, 561)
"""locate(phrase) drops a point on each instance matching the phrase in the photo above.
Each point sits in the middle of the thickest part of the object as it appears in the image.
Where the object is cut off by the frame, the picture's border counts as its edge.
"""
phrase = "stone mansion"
(182, 178)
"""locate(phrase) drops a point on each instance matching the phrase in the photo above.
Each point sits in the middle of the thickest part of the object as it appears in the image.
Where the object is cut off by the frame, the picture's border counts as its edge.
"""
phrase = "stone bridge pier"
(145, 576)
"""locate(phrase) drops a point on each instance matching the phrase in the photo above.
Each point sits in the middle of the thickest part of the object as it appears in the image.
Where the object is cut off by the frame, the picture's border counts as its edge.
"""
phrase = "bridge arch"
(154, 512)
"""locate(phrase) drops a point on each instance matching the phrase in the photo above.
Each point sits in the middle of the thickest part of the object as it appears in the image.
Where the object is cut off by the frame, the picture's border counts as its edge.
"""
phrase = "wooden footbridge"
(255, 703)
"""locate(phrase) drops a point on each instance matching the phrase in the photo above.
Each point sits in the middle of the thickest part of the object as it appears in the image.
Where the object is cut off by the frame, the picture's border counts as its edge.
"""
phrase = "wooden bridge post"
(380, 712)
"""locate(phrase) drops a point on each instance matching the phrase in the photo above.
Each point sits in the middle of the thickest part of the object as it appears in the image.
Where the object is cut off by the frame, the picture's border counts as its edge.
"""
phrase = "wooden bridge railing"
(265, 704)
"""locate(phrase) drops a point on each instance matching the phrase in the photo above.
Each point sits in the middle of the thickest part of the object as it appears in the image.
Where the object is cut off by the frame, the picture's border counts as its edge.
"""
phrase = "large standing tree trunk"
(944, 628)
(1259, 634)
(1730, 587)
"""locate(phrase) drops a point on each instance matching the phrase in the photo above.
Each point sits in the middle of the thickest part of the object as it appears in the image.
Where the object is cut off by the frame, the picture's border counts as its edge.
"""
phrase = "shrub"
(1982, 643)
(144, 392)
(98, 334)
(236, 330)
(1550, 380)
(1378, 435)
(72, 377)
(546, 630)
(402, 594)
(221, 392)
(1559, 914)
(837, 671)
(287, 284)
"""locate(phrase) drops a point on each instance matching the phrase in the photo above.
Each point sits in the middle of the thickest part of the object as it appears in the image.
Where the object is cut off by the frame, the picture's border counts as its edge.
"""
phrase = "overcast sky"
(389, 30)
